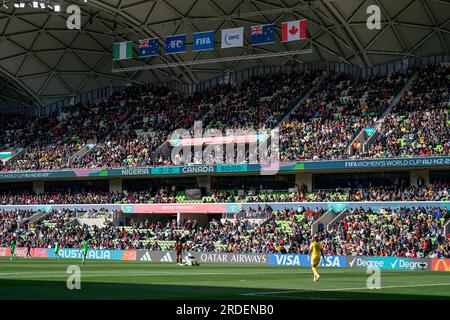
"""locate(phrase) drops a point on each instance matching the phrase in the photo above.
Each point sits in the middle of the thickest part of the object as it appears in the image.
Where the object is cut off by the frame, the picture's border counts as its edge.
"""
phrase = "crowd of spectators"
(28, 198)
(13, 126)
(434, 192)
(51, 141)
(149, 126)
(13, 222)
(412, 233)
(125, 129)
(129, 128)
(403, 232)
(260, 102)
(51, 227)
(326, 123)
(419, 125)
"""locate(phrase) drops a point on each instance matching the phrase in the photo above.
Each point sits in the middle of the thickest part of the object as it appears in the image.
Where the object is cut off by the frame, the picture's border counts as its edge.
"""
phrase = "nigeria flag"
(123, 50)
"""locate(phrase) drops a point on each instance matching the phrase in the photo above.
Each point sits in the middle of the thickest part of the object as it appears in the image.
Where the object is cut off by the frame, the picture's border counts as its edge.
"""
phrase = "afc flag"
(148, 47)
(263, 34)
(176, 44)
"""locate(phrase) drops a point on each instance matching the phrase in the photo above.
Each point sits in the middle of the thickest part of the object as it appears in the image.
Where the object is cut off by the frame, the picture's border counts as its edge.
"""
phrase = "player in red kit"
(28, 245)
(179, 251)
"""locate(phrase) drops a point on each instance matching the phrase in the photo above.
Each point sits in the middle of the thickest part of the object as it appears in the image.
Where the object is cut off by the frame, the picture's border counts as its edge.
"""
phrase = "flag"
(176, 44)
(263, 34)
(232, 37)
(203, 41)
(123, 50)
(148, 47)
(293, 30)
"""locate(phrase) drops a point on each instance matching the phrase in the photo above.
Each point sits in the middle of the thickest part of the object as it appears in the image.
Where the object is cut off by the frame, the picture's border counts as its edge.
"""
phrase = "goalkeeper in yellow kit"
(315, 251)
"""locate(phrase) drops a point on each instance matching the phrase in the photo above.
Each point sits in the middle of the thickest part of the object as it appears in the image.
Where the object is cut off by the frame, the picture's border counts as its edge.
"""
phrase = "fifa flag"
(203, 41)
(293, 30)
(232, 37)
(148, 47)
(176, 44)
(123, 50)
(263, 34)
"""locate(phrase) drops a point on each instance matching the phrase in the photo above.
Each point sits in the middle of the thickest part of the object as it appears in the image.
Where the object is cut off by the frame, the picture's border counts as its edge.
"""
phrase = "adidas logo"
(146, 257)
(166, 258)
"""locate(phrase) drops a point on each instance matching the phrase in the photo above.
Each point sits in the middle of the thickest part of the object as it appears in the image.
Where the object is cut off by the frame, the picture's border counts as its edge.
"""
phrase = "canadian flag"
(293, 30)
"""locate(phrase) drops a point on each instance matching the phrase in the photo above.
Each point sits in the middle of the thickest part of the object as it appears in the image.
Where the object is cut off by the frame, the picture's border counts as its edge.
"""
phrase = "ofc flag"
(176, 44)
(123, 50)
(263, 34)
(232, 37)
(203, 41)
(148, 47)
(293, 30)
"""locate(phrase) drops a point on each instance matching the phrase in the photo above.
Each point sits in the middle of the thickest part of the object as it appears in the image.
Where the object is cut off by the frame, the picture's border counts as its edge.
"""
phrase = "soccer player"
(28, 245)
(85, 247)
(179, 251)
(315, 251)
(13, 248)
(191, 261)
(57, 250)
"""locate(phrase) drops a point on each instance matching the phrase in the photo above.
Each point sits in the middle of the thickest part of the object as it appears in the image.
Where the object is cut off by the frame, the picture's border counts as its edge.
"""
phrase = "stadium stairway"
(400, 94)
(324, 220)
(447, 227)
(16, 153)
(82, 152)
(38, 216)
(367, 142)
(314, 86)
(72, 222)
(337, 219)
(296, 105)
(17, 156)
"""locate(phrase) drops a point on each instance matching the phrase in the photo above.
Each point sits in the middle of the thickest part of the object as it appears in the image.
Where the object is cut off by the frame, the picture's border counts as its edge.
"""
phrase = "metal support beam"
(208, 61)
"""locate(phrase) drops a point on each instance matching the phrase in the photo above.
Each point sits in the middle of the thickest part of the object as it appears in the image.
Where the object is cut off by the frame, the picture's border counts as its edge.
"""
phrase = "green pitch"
(46, 279)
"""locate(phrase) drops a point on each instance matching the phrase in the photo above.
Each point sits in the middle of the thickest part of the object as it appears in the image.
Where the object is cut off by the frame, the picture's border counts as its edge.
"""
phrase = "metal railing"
(248, 215)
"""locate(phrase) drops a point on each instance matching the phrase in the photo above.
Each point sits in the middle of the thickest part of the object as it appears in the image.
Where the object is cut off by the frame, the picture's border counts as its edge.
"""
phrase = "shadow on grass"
(57, 290)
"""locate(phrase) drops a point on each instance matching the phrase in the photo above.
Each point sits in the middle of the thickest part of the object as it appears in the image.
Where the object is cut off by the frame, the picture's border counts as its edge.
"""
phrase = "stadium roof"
(42, 62)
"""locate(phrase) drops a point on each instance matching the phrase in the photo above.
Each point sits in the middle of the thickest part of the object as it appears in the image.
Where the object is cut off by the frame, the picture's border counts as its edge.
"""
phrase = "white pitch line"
(51, 274)
(344, 289)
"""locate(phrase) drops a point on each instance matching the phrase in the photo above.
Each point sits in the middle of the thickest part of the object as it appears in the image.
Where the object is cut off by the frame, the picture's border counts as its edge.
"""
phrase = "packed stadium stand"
(362, 161)
(320, 114)
(419, 124)
(328, 121)
(435, 192)
(125, 130)
(408, 232)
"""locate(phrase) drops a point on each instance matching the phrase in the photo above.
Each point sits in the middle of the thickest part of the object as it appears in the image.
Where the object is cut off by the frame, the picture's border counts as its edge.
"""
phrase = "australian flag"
(263, 34)
(148, 47)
